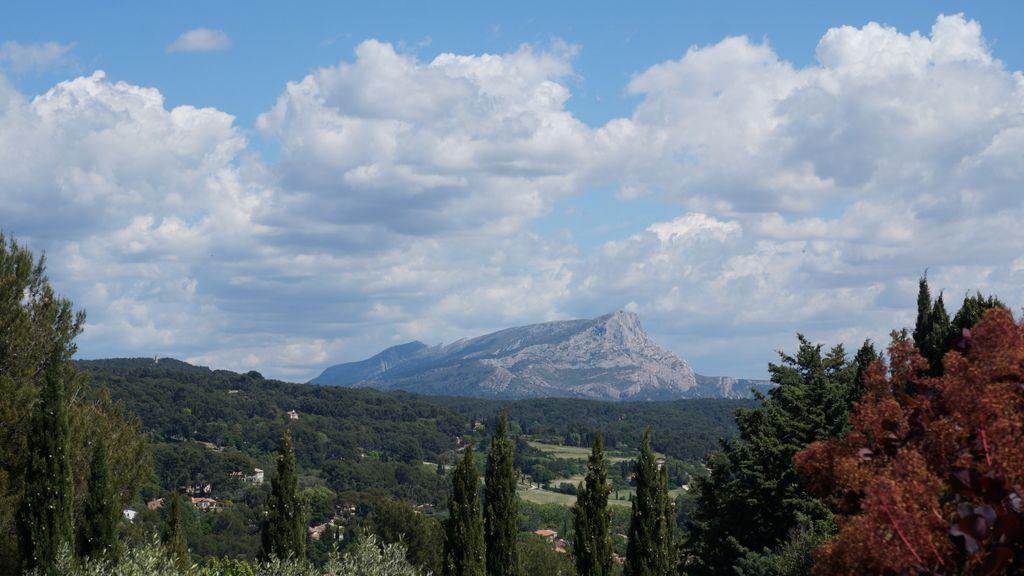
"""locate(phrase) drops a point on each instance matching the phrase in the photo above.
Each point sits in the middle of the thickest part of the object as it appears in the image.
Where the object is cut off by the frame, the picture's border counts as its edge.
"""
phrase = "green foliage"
(935, 334)
(365, 558)
(369, 558)
(753, 499)
(592, 546)
(225, 567)
(463, 529)
(284, 530)
(538, 558)
(651, 549)
(394, 522)
(795, 556)
(687, 429)
(174, 537)
(37, 329)
(45, 515)
(97, 536)
(500, 504)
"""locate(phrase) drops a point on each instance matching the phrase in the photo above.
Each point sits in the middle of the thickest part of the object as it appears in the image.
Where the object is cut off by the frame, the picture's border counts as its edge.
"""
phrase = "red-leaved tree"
(930, 478)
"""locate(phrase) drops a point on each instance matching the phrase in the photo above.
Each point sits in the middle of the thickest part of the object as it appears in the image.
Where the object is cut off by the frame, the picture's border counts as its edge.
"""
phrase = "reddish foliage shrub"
(929, 480)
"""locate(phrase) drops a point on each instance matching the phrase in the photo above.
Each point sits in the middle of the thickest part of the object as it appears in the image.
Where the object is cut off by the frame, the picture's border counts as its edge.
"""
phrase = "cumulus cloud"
(201, 40)
(403, 202)
(457, 143)
(33, 57)
(894, 153)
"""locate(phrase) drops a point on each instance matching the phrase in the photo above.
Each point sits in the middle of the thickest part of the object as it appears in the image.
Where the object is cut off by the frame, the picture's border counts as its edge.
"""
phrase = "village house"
(206, 504)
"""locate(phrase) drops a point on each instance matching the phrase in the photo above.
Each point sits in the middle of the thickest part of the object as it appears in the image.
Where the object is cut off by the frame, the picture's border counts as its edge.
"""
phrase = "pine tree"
(98, 533)
(463, 529)
(45, 515)
(284, 530)
(753, 499)
(592, 545)
(501, 505)
(647, 552)
(175, 538)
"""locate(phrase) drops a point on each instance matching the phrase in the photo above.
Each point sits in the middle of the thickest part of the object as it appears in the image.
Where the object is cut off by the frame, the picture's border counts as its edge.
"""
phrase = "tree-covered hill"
(179, 401)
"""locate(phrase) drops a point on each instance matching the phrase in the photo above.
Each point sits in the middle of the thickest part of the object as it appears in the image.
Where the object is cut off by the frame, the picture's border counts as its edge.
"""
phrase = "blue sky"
(258, 186)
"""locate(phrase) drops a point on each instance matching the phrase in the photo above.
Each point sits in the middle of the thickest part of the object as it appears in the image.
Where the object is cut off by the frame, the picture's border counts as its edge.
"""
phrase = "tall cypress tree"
(923, 325)
(175, 538)
(44, 523)
(501, 505)
(592, 545)
(463, 529)
(648, 549)
(284, 530)
(98, 534)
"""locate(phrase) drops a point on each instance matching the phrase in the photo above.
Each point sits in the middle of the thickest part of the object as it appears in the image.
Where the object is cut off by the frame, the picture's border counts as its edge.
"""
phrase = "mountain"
(605, 358)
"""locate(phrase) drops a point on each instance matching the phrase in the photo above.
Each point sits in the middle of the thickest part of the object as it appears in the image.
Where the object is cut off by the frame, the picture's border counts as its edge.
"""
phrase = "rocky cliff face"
(606, 358)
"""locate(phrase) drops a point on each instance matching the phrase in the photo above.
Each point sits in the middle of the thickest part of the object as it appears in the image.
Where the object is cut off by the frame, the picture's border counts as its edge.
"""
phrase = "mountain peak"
(610, 357)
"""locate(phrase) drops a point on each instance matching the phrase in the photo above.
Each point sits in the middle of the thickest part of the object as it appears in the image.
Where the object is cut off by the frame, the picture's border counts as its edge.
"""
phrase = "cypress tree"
(592, 545)
(647, 552)
(865, 356)
(284, 530)
(44, 522)
(923, 325)
(463, 529)
(501, 505)
(98, 534)
(175, 538)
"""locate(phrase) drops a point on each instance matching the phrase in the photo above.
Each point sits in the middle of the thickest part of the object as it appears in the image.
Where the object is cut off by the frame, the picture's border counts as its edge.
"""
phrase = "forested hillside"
(378, 452)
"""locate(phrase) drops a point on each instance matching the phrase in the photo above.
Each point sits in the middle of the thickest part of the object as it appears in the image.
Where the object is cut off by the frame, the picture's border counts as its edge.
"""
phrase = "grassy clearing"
(581, 453)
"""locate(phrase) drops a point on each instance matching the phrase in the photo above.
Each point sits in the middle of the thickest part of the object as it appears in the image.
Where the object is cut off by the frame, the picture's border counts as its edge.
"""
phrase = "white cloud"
(458, 143)
(201, 40)
(33, 57)
(402, 204)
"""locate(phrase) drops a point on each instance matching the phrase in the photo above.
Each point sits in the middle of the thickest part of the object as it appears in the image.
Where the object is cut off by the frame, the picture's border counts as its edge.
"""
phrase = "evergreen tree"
(935, 334)
(592, 545)
(970, 313)
(100, 519)
(501, 505)
(861, 361)
(175, 538)
(37, 332)
(648, 552)
(463, 529)
(753, 499)
(923, 325)
(284, 530)
(45, 515)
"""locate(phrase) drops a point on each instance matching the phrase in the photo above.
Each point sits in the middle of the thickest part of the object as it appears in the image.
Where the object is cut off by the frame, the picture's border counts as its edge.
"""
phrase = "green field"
(538, 495)
(581, 453)
(541, 496)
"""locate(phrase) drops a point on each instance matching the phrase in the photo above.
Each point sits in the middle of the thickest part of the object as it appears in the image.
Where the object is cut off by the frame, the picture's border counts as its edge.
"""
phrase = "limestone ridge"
(606, 358)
